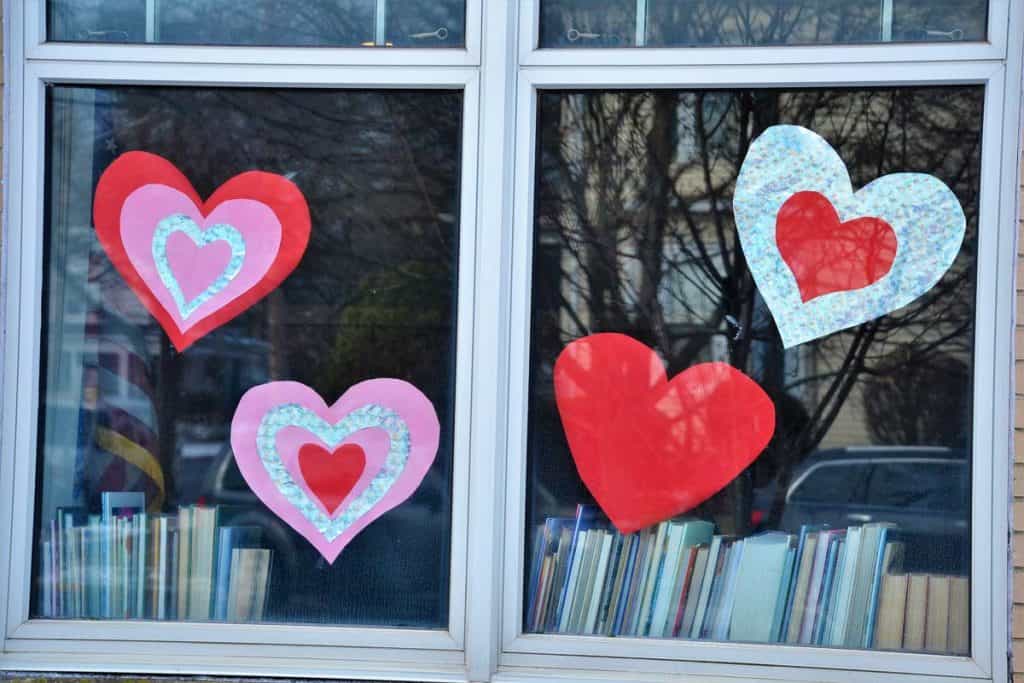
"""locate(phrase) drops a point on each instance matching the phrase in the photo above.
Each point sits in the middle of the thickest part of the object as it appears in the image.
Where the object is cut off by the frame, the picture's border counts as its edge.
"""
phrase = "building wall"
(1018, 468)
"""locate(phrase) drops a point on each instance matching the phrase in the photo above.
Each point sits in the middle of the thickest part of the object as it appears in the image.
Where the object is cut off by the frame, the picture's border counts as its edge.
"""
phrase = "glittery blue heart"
(201, 238)
(367, 417)
(925, 215)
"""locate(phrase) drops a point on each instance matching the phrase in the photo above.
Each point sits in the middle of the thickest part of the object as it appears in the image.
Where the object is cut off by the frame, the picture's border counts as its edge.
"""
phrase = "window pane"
(337, 23)
(678, 23)
(870, 460)
(122, 411)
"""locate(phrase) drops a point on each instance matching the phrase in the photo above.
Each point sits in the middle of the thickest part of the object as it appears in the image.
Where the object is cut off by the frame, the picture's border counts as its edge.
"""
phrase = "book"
(664, 582)
(707, 582)
(586, 517)
(959, 616)
(549, 616)
(723, 614)
(203, 549)
(653, 567)
(647, 537)
(184, 562)
(229, 538)
(760, 574)
(890, 560)
(785, 588)
(677, 601)
(717, 586)
(693, 592)
(801, 588)
(892, 604)
(829, 587)
(826, 539)
(835, 631)
(620, 556)
(916, 612)
(622, 601)
(682, 537)
(857, 617)
(589, 623)
(936, 631)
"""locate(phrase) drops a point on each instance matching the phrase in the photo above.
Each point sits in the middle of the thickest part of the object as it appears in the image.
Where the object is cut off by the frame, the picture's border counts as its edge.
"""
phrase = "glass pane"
(859, 507)
(134, 449)
(334, 23)
(679, 23)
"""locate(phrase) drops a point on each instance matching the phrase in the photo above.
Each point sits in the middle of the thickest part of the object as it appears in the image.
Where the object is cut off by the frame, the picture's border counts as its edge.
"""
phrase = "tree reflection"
(635, 234)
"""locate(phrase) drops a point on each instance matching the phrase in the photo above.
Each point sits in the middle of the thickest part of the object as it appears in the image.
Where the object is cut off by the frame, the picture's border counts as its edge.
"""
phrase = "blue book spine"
(825, 599)
(220, 601)
(805, 529)
(876, 583)
(620, 609)
(585, 519)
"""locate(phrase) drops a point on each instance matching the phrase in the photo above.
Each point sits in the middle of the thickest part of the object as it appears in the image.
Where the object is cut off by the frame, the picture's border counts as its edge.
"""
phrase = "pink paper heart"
(141, 215)
(206, 262)
(391, 420)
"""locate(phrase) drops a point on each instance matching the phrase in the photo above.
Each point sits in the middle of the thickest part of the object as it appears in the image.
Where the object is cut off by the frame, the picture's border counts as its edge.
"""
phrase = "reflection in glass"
(336, 23)
(137, 484)
(860, 504)
(677, 23)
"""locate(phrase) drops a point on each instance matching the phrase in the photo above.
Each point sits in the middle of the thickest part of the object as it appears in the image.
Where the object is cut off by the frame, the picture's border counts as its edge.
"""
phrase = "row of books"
(679, 579)
(127, 564)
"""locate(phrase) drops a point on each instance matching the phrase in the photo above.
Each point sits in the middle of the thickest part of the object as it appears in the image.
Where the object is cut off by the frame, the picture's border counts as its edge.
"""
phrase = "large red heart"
(330, 476)
(128, 201)
(648, 448)
(826, 255)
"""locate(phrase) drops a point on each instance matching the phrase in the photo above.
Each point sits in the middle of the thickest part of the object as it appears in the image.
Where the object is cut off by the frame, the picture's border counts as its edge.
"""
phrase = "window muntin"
(326, 23)
(675, 23)
(612, 165)
(374, 295)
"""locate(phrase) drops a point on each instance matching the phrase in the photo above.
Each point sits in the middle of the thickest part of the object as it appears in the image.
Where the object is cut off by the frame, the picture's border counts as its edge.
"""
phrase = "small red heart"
(648, 448)
(827, 256)
(330, 476)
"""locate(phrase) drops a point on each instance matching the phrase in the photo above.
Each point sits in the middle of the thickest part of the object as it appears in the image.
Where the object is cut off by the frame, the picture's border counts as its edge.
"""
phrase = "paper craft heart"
(886, 244)
(330, 476)
(330, 471)
(827, 256)
(648, 448)
(196, 265)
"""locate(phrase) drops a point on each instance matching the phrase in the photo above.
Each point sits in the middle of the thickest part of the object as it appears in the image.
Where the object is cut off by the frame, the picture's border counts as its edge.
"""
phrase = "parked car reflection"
(923, 490)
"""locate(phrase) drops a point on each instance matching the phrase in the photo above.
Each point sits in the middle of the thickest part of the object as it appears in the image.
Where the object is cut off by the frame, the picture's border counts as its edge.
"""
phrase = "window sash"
(990, 444)
(378, 647)
(532, 55)
(485, 640)
(37, 47)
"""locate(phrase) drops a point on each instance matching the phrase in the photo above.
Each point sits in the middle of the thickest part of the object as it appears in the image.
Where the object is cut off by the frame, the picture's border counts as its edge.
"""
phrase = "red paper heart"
(330, 476)
(827, 256)
(648, 448)
(134, 170)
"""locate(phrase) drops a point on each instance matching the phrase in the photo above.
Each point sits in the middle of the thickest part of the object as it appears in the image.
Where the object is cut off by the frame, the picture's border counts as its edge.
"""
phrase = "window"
(347, 23)
(667, 23)
(637, 236)
(376, 279)
(513, 207)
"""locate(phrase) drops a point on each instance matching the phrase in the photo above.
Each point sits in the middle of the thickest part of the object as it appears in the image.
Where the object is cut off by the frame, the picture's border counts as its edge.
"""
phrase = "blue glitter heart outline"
(201, 238)
(369, 416)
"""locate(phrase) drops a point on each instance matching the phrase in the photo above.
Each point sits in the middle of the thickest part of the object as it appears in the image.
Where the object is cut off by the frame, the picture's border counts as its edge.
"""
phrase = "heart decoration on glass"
(328, 471)
(649, 448)
(196, 265)
(826, 258)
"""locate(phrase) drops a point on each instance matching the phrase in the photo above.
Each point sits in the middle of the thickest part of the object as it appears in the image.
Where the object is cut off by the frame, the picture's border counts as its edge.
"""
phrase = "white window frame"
(500, 77)
(994, 64)
(31, 65)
